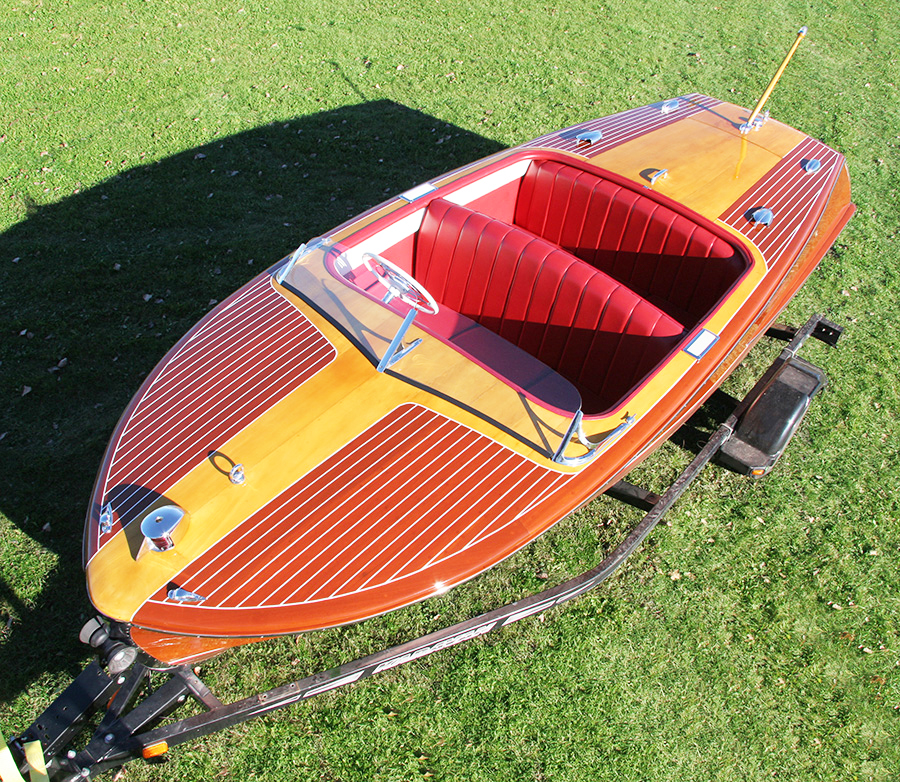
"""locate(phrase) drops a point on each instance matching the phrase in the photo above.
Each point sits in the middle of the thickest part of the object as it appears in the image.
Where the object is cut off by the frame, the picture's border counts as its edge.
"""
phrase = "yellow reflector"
(757, 472)
(37, 769)
(8, 770)
(34, 754)
(155, 750)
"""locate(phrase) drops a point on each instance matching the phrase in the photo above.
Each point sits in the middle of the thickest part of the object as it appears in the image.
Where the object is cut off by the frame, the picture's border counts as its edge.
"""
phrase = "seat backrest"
(663, 255)
(594, 331)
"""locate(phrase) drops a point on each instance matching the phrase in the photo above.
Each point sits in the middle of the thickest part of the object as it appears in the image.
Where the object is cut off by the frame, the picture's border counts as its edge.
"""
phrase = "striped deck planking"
(352, 524)
(791, 193)
(625, 126)
(204, 395)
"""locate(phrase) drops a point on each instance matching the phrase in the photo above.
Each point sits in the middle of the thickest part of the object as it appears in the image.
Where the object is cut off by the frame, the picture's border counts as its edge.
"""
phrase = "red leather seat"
(592, 330)
(666, 257)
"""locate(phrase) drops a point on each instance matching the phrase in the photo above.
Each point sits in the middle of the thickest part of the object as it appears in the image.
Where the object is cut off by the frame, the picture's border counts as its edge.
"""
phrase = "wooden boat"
(408, 400)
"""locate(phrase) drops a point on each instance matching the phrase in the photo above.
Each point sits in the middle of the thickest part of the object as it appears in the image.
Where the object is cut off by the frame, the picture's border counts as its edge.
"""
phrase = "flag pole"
(749, 124)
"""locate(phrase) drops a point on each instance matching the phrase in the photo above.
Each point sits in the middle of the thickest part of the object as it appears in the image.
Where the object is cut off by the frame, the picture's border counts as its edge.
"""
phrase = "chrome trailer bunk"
(139, 699)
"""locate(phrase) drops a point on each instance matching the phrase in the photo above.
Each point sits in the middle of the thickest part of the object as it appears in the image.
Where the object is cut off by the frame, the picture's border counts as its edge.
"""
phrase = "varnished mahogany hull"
(367, 491)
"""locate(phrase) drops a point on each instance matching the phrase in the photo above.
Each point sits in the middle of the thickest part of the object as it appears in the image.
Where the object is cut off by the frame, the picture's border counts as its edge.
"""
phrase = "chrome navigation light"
(163, 527)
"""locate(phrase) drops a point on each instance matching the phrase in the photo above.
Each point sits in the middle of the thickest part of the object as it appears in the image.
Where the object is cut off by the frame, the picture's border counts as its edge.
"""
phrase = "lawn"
(156, 154)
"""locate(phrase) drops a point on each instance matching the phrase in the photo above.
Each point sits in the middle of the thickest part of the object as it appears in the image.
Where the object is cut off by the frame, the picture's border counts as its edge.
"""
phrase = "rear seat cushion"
(666, 257)
(594, 331)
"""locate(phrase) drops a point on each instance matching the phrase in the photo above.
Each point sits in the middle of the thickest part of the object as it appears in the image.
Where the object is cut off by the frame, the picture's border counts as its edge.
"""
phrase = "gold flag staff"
(749, 124)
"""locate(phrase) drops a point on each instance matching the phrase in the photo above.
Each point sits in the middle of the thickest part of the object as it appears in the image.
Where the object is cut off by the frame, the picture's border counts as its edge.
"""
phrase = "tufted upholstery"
(682, 267)
(592, 330)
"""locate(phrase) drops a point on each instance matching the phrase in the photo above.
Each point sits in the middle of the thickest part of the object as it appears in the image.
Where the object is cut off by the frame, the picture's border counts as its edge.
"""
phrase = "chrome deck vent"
(588, 137)
(669, 106)
(763, 216)
(181, 595)
(812, 166)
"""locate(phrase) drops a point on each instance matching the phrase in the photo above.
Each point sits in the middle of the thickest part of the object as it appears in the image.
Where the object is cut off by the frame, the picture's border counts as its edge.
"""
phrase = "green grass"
(170, 150)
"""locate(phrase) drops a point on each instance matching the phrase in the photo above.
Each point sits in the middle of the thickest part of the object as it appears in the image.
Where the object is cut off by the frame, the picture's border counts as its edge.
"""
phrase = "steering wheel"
(400, 284)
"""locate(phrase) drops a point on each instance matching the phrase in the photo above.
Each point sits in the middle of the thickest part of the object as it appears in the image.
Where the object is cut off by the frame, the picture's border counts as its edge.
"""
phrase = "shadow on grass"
(693, 435)
(105, 281)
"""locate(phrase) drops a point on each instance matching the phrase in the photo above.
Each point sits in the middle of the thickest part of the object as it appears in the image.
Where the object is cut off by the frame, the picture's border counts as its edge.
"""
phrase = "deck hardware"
(661, 173)
(588, 137)
(106, 519)
(812, 166)
(302, 250)
(593, 448)
(417, 192)
(180, 595)
(699, 345)
(669, 106)
(158, 527)
(763, 216)
(237, 475)
(758, 121)
(397, 350)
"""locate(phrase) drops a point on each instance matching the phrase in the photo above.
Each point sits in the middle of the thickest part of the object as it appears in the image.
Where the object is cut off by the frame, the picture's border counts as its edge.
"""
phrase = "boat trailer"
(138, 697)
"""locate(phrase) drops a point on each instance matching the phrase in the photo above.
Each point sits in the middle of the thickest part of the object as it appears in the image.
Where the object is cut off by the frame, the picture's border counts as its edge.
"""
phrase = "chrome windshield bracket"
(576, 432)
(397, 350)
(303, 249)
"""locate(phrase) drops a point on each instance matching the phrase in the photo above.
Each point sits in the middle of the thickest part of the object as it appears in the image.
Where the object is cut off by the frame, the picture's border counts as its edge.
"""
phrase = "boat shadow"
(105, 280)
(695, 433)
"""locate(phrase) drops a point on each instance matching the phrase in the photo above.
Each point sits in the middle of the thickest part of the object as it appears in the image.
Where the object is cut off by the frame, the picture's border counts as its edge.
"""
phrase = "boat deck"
(593, 292)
